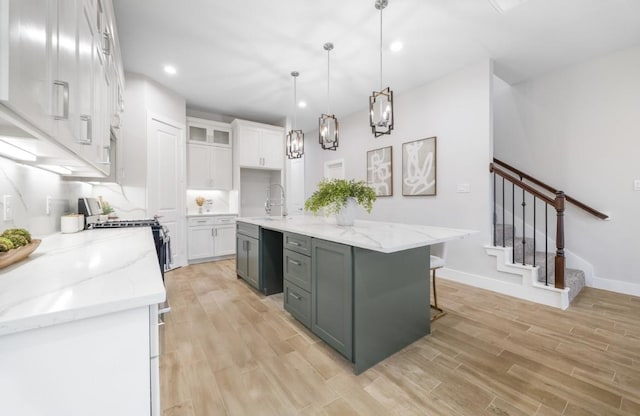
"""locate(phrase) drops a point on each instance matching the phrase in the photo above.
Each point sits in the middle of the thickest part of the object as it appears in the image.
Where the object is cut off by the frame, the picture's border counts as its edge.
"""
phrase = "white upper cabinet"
(208, 132)
(210, 158)
(259, 145)
(25, 72)
(62, 73)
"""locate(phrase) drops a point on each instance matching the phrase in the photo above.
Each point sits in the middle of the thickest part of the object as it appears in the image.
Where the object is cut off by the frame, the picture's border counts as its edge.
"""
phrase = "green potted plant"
(340, 196)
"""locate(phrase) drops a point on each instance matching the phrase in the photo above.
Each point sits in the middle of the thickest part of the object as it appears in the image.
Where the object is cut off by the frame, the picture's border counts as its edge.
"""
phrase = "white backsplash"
(223, 201)
(29, 188)
(127, 202)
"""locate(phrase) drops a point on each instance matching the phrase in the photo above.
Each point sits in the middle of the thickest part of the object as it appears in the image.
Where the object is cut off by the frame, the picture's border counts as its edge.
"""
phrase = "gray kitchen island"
(363, 289)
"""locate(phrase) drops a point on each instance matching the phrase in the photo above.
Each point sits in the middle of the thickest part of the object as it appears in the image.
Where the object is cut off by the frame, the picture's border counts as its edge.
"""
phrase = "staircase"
(573, 279)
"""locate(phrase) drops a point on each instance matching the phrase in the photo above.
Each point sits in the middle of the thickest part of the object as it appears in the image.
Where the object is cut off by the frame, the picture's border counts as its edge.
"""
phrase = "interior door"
(166, 182)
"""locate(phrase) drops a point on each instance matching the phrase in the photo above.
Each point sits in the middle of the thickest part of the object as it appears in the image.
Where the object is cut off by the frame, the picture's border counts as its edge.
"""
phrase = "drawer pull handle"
(201, 221)
(297, 263)
(294, 243)
(296, 297)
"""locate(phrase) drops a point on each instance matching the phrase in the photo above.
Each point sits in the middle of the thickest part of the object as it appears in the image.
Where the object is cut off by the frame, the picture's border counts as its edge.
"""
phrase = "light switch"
(636, 185)
(463, 188)
(7, 208)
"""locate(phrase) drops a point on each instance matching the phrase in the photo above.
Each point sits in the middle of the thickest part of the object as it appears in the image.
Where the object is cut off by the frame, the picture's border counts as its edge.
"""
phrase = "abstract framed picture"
(419, 167)
(380, 170)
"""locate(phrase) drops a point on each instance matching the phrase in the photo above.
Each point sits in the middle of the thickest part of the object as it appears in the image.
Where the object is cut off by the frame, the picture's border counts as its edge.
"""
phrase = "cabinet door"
(242, 265)
(65, 88)
(200, 242)
(85, 95)
(28, 87)
(249, 146)
(331, 295)
(253, 262)
(272, 149)
(221, 167)
(225, 240)
(198, 171)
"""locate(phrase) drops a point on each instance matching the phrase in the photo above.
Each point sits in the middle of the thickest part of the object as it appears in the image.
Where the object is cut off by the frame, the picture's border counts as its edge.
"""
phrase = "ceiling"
(234, 57)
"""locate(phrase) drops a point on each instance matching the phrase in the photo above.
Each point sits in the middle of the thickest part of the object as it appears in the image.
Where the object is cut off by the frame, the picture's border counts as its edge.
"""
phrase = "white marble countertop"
(211, 214)
(386, 237)
(76, 276)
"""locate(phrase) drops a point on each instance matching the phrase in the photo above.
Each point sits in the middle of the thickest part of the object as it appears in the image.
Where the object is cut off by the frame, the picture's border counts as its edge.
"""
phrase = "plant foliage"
(333, 195)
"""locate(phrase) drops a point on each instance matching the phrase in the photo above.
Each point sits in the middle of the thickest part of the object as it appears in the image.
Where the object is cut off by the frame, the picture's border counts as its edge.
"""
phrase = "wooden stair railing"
(557, 202)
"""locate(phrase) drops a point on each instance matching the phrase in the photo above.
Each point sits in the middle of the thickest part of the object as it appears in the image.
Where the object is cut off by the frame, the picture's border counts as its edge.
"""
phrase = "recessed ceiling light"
(171, 70)
(396, 46)
(302, 104)
(503, 6)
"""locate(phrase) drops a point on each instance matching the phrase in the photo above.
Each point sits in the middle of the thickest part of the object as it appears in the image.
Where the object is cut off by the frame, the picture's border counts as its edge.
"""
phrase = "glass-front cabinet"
(209, 132)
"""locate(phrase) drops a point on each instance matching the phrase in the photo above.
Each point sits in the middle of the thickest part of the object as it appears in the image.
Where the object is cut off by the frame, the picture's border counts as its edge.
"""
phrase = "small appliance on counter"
(91, 209)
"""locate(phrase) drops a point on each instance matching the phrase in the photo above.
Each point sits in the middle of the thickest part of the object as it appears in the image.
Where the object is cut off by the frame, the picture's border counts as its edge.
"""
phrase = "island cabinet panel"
(297, 269)
(298, 303)
(332, 294)
(391, 302)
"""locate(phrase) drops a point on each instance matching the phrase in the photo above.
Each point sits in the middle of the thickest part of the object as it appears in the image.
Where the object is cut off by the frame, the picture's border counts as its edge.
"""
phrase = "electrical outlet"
(636, 185)
(7, 207)
(48, 206)
(463, 188)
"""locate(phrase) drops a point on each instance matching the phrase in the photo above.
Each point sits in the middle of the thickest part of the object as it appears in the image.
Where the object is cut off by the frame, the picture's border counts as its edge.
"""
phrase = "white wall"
(577, 129)
(141, 96)
(456, 109)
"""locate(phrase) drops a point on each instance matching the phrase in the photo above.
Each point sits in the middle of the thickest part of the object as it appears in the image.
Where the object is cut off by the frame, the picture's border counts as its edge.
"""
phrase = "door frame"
(181, 245)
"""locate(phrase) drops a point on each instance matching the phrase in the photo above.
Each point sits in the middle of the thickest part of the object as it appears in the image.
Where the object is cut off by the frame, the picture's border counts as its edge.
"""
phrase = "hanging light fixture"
(295, 138)
(381, 102)
(328, 123)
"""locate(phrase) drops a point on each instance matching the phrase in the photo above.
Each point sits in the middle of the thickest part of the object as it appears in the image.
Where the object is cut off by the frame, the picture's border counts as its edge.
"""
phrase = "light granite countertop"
(76, 276)
(385, 237)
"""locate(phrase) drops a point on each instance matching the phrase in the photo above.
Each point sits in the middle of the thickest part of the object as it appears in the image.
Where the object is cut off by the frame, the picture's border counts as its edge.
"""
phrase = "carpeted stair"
(573, 279)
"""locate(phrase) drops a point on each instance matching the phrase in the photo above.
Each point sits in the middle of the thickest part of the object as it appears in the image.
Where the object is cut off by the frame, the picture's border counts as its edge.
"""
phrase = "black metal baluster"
(513, 220)
(504, 239)
(524, 240)
(494, 209)
(534, 231)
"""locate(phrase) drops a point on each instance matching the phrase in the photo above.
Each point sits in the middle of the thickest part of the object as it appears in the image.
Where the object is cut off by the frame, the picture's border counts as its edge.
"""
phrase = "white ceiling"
(234, 57)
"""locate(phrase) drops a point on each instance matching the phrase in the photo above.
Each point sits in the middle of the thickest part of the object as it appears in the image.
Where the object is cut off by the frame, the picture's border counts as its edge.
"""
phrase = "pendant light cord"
(328, 82)
(295, 95)
(381, 48)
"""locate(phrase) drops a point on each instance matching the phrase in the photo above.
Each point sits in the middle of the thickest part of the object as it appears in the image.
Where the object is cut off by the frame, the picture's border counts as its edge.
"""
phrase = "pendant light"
(381, 102)
(328, 123)
(295, 138)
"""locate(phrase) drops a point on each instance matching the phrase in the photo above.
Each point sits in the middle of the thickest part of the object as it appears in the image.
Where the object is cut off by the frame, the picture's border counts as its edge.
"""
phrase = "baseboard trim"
(618, 286)
(557, 298)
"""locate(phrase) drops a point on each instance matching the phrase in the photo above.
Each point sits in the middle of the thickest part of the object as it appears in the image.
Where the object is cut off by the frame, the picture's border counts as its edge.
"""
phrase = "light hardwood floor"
(232, 351)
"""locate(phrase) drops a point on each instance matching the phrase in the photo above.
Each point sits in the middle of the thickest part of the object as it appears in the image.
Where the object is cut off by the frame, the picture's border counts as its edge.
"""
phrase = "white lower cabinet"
(211, 237)
(99, 366)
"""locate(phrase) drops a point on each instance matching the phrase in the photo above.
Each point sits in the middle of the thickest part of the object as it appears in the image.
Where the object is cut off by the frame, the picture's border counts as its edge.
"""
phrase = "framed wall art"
(380, 170)
(419, 167)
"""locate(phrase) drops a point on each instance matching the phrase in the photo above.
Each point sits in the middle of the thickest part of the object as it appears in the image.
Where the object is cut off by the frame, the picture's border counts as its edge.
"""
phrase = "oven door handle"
(167, 261)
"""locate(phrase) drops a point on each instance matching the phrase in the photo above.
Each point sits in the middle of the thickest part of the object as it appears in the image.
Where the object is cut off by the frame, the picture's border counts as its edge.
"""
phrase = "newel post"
(560, 260)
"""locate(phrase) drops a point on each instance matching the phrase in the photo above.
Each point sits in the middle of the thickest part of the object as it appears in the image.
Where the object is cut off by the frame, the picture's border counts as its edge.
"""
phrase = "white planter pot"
(347, 214)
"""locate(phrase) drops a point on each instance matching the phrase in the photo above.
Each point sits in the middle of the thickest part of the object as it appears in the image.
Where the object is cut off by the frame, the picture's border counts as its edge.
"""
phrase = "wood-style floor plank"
(229, 350)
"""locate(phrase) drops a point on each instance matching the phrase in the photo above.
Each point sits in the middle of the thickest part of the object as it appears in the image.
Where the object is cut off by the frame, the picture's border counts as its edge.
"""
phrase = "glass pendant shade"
(381, 112)
(381, 102)
(295, 138)
(328, 131)
(295, 144)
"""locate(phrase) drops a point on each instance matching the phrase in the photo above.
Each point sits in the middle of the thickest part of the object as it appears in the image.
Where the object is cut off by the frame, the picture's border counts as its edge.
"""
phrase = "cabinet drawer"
(298, 303)
(225, 220)
(297, 269)
(250, 230)
(298, 243)
(198, 221)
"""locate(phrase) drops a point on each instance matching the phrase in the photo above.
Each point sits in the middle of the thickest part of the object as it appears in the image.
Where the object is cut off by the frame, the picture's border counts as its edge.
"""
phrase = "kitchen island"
(363, 289)
(78, 326)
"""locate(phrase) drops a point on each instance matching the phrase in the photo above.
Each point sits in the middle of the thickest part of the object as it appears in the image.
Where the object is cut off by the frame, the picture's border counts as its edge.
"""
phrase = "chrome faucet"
(282, 202)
